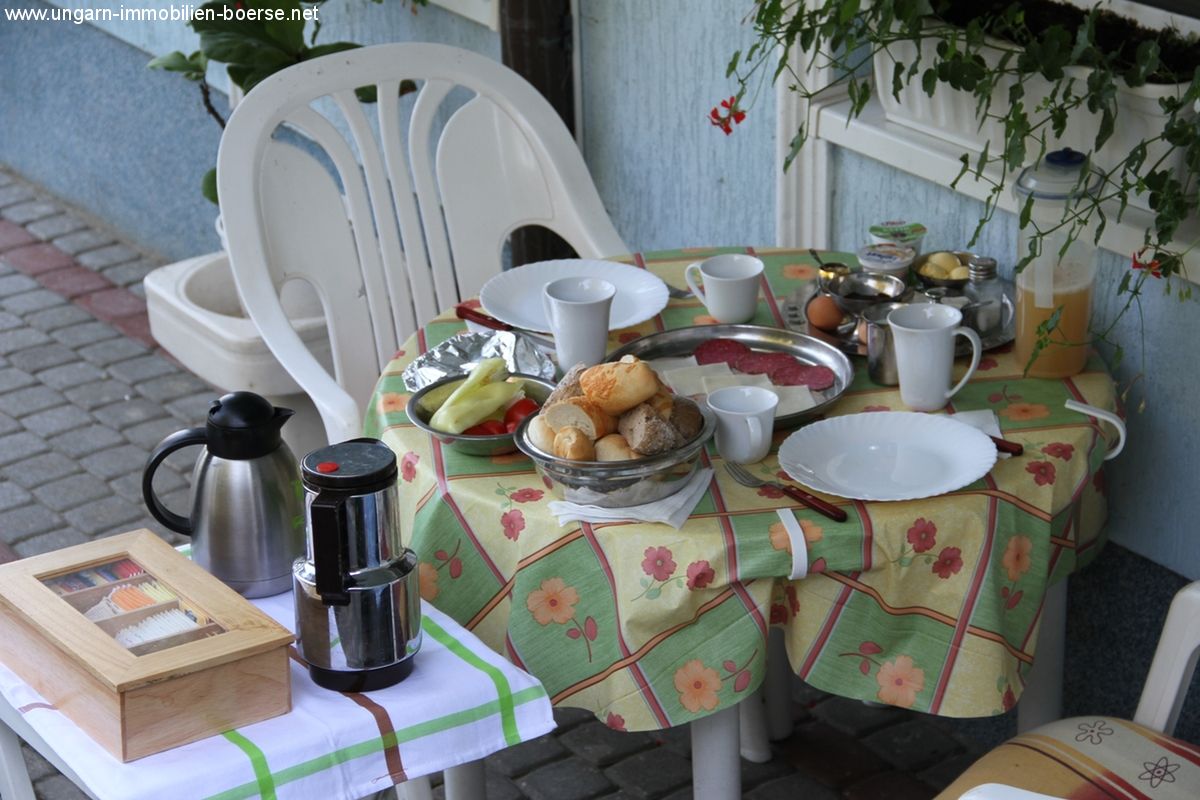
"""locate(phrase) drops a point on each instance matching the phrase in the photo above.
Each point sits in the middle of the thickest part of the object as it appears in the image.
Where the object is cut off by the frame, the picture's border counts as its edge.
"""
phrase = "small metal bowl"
(618, 484)
(945, 283)
(494, 445)
(856, 291)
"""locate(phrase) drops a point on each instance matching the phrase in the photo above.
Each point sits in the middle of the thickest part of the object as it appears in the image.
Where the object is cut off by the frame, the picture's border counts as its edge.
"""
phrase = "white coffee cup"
(730, 285)
(578, 311)
(924, 334)
(745, 418)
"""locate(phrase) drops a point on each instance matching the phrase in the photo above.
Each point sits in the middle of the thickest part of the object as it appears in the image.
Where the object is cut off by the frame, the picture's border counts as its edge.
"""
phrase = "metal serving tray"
(683, 342)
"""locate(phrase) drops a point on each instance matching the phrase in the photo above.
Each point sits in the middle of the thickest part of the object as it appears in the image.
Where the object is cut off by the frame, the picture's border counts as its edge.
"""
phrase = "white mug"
(730, 284)
(745, 417)
(924, 334)
(578, 310)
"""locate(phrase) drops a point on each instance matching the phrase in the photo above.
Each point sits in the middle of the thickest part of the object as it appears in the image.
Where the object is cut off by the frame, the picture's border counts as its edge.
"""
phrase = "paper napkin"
(673, 510)
(985, 421)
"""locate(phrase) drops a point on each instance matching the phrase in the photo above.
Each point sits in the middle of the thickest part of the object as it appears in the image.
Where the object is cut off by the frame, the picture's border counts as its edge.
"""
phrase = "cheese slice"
(793, 399)
(714, 382)
(690, 380)
(664, 365)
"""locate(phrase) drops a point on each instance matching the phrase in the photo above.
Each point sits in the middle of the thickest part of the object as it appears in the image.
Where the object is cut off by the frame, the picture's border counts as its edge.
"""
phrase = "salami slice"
(763, 363)
(814, 377)
(716, 350)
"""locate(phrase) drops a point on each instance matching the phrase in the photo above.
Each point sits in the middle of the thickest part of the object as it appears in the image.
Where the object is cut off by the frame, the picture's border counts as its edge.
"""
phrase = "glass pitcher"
(1050, 282)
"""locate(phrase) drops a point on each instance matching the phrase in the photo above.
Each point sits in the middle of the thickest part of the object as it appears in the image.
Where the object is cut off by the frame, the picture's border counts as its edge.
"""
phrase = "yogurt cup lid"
(886, 255)
(898, 230)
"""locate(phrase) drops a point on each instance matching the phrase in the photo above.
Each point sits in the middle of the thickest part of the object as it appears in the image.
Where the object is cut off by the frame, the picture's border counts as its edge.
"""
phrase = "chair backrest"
(390, 214)
(1174, 663)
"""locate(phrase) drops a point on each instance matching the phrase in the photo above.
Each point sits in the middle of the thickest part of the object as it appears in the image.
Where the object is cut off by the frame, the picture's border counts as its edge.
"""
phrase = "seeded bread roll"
(647, 432)
(614, 448)
(574, 444)
(541, 434)
(618, 387)
(568, 387)
(686, 418)
(580, 412)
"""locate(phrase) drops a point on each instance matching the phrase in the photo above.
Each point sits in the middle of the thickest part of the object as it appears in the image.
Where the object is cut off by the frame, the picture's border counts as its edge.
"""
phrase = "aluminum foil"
(459, 354)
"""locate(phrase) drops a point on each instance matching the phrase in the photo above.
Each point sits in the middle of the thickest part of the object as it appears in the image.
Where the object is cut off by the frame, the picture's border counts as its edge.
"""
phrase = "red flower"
(949, 561)
(1151, 266)
(771, 492)
(725, 120)
(817, 567)
(1042, 472)
(987, 363)
(526, 495)
(1059, 450)
(658, 563)
(616, 722)
(1009, 700)
(922, 535)
(779, 614)
(699, 575)
(513, 523)
(408, 466)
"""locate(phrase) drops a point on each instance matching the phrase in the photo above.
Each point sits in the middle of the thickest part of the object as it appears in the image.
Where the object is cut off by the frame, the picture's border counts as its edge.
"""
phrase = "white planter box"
(950, 113)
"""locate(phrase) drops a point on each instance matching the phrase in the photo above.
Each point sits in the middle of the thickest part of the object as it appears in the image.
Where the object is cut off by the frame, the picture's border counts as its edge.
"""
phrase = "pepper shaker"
(986, 294)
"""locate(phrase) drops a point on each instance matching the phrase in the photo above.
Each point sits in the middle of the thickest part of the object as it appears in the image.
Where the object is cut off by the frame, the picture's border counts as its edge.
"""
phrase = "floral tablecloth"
(931, 604)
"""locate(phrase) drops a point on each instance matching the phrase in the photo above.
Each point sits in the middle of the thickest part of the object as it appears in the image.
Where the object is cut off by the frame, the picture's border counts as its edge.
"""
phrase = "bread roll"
(541, 434)
(618, 387)
(614, 448)
(568, 387)
(686, 418)
(574, 444)
(647, 432)
(663, 403)
(582, 413)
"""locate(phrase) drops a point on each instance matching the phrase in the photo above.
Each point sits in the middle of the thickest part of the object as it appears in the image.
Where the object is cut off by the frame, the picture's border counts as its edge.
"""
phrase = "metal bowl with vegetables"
(476, 414)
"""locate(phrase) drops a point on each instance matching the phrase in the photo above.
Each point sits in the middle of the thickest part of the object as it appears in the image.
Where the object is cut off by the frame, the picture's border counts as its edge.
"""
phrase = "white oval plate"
(515, 296)
(887, 455)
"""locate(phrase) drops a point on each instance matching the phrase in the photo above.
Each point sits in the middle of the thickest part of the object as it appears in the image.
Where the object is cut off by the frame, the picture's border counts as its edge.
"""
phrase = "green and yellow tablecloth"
(931, 604)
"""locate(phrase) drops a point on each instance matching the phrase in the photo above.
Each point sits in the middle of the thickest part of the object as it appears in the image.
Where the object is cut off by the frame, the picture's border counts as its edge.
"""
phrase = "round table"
(932, 605)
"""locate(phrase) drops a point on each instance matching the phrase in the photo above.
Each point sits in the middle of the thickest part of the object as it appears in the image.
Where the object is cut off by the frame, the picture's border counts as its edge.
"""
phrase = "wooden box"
(197, 658)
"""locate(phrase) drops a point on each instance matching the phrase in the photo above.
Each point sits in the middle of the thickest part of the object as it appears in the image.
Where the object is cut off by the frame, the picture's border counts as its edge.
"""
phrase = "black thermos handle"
(176, 441)
(329, 558)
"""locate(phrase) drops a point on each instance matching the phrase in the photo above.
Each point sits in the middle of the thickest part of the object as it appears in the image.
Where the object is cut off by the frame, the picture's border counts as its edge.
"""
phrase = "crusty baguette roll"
(686, 418)
(647, 432)
(580, 412)
(614, 448)
(541, 434)
(568, 387)
(574, 444)
(618, 387)
(663, 403)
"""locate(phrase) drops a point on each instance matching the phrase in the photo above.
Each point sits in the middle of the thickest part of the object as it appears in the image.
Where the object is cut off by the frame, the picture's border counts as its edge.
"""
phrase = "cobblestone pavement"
(85, 393)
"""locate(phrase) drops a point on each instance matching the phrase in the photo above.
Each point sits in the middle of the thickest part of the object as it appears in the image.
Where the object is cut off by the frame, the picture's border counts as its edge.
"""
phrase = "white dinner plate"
(887, 455)
(515, 296)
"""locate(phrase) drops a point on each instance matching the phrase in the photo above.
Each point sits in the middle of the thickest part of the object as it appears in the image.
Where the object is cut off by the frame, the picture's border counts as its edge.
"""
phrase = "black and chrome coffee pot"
(358, 603)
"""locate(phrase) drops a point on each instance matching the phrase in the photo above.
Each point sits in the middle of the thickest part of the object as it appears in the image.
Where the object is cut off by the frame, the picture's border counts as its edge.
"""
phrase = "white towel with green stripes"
(461, 703)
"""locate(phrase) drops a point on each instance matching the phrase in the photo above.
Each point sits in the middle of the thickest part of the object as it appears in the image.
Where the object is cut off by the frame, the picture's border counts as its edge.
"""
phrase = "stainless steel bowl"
(618, 484)
(856, 291)
(496, 445)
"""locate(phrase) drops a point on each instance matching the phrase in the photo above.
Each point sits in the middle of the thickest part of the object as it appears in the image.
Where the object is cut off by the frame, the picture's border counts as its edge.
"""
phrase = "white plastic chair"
(1163, 693)
(407, 219)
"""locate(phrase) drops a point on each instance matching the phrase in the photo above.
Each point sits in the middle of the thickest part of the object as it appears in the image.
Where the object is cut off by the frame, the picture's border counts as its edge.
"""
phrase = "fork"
(746, 478)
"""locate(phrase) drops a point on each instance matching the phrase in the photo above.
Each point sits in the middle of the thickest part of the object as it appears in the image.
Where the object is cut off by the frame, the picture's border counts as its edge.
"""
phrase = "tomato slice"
(489, 427)
(519, 411)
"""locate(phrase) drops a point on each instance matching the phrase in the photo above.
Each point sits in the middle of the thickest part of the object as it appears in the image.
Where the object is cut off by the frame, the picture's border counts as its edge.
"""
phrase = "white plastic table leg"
(777, 688)
(1042, 700)
(14, 776)
(466, 782)
(752, 720)
(716, 766)
(416, 789)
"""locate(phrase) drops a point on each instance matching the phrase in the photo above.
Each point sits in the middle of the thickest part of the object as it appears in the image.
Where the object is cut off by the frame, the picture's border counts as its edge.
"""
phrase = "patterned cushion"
(1090, 758)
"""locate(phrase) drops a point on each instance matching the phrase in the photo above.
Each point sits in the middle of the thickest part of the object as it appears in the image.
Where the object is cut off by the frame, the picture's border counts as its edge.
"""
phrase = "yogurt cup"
(894, 259)
(898, 231)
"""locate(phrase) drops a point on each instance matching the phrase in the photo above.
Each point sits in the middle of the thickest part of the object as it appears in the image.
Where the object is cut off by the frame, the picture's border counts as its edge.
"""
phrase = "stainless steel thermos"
(358, 604)
(246, 519)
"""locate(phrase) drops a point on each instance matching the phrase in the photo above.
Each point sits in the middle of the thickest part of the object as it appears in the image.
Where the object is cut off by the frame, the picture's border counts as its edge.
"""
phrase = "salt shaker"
(986, 293)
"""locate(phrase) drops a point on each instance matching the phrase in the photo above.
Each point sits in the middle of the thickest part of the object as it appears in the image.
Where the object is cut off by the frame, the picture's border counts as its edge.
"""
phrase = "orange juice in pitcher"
(1051, 282)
